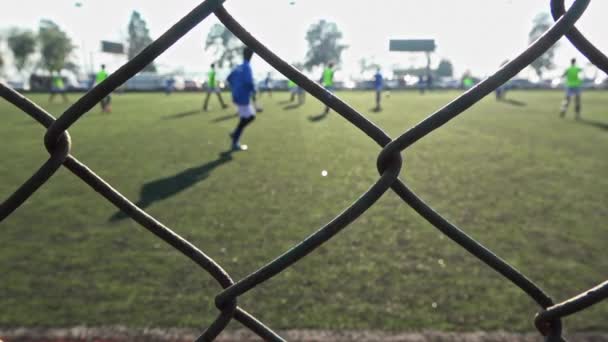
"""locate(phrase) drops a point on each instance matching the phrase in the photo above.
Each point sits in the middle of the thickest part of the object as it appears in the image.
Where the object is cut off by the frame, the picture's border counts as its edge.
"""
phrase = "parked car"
(191, 85)
(365, 85)
(589, 83)
(544, 84)
(178, 82)
(447, 83)
(17, 85)
(146, 81)
(391, 84)
(78, 85)
(280, 84)
(521, 83)
(557, 83)
(261, 85)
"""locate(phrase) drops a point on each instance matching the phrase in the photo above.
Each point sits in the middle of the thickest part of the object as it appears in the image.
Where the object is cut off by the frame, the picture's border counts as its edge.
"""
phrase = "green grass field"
(530, 186)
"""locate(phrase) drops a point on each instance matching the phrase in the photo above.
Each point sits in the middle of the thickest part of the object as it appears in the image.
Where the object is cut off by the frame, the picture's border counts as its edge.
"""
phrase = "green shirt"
(211, 79)
(291, 84)
(572, 78)
(328, 77)
(58, 82)
(468, 82)
(101, 76)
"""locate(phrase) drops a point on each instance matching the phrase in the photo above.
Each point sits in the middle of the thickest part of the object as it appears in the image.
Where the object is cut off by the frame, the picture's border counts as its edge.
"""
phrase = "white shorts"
(246, 111)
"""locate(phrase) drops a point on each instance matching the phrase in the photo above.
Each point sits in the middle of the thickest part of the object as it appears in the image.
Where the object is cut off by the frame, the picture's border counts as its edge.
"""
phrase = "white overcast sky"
(474, 34)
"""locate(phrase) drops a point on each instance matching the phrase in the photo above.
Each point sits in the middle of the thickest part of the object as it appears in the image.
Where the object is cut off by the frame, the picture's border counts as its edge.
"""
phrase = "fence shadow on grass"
(225, 117)
(513, 102)
(181, 115)
(597, 124)
(164, 188)
(292, 106)
(317, 118)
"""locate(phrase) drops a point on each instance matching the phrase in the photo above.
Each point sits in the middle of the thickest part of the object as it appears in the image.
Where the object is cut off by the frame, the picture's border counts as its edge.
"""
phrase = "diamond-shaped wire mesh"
(389, 164)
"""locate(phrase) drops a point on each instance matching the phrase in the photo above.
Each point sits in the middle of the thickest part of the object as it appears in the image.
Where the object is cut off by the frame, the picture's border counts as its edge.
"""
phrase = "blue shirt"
(378, 80)
(241, 84)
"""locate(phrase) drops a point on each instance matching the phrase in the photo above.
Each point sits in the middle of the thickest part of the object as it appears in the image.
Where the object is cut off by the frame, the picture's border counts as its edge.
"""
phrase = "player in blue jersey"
(378, 86)
(243, 88)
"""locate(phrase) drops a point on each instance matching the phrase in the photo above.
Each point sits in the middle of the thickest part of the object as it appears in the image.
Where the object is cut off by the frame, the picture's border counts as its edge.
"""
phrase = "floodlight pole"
(86, 68)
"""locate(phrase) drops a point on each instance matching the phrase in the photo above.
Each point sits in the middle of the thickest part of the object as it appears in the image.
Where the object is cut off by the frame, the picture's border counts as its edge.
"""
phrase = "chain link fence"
(389, 164)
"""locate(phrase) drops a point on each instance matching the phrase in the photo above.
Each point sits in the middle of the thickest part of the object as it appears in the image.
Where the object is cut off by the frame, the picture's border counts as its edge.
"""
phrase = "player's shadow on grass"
(513, 102)
(181, 115)
(164, 188)
(317, 118)
(225, 117)
(598, 124)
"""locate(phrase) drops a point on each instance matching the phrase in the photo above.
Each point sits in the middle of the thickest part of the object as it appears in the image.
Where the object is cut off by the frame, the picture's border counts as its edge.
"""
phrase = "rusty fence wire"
(389, 164)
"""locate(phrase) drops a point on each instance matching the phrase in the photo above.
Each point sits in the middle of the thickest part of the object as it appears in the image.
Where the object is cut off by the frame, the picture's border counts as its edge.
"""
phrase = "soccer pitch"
(528, 185)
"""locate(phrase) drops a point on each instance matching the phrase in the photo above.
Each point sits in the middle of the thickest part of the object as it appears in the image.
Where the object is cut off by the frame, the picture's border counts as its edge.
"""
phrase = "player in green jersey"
(573, 88)
(327, 80)
(213, 87)
(105, 102)
(58, 87)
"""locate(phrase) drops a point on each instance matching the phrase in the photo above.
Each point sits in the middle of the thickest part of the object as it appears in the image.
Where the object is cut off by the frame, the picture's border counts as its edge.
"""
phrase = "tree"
(55, 46)
(139, 38)
(542, 23)
(366, 65)
(22, 43)
(71, 66)
(323, 44)
(226, 46)
(445, 68)
(1, 58)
